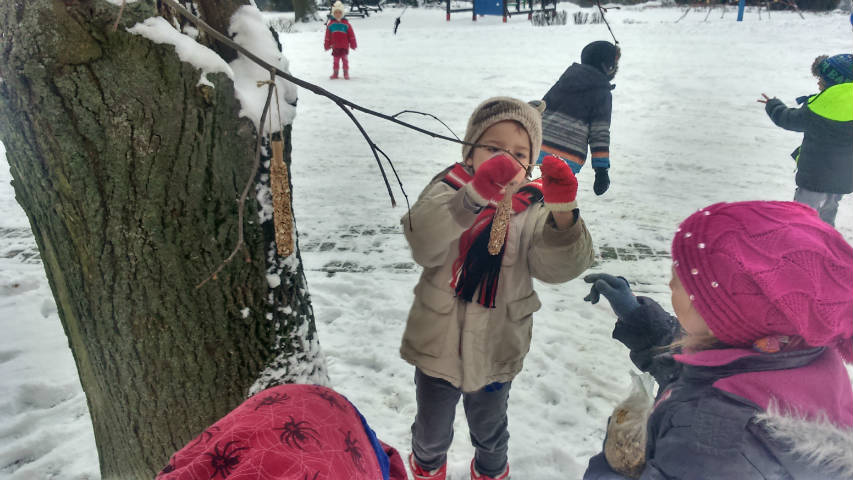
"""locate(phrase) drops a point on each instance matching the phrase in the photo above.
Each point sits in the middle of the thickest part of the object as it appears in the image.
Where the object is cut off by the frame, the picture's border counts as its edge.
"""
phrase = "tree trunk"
(128, 173)
(303, 10)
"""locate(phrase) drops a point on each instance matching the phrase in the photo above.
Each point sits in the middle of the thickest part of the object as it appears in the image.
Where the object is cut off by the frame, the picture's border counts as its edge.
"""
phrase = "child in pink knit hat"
(763, 293)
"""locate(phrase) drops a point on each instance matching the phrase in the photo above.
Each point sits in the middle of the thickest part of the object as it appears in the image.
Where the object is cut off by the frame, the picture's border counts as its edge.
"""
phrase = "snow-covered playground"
(686, 132)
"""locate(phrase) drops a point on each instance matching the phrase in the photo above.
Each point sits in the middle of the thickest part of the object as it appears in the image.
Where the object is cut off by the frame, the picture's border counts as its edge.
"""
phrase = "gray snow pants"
(485, 409)
(826, 204)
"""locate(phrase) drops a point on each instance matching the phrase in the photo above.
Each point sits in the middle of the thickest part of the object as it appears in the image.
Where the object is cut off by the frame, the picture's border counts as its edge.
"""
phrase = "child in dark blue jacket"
(762, 293)
(577, 112)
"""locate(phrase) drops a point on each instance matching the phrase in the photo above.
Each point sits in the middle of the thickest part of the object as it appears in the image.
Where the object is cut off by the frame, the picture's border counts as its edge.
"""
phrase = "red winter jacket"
(288, 432)
(339, 34)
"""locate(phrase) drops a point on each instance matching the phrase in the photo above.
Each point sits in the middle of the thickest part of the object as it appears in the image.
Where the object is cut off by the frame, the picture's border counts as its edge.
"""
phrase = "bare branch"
(296, 81)
(602, 10)
(428, 115)
(249, 183)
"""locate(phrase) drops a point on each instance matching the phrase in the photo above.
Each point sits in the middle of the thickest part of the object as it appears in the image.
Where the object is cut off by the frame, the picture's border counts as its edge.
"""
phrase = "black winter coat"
(577, 115)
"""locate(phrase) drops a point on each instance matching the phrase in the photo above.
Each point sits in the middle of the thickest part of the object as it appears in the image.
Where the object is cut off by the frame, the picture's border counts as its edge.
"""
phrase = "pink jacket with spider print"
(289, 432)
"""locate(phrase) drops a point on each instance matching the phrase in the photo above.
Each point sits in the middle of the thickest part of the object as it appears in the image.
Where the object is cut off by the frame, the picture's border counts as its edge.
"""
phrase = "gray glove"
(615, 289)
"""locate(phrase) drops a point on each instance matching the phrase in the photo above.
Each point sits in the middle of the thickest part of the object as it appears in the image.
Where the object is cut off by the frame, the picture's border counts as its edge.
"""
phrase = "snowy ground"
(686, 132)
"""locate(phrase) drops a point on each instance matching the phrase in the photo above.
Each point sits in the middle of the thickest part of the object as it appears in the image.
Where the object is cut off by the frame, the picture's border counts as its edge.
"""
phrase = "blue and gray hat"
(835, 69)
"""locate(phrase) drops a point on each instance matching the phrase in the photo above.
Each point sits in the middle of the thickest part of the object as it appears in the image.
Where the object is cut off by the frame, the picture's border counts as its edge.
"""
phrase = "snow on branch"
(158, 30)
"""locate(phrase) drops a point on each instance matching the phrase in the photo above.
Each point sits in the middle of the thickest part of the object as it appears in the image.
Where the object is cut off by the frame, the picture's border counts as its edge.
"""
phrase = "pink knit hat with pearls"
(755, 269)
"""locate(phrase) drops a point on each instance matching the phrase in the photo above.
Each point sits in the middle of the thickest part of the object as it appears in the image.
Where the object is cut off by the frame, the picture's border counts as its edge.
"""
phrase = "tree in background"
(129, 172)
(303, 10)
(276, 5)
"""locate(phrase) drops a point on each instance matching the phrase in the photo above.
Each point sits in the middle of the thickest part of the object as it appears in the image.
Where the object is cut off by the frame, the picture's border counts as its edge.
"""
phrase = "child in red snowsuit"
(339, 38)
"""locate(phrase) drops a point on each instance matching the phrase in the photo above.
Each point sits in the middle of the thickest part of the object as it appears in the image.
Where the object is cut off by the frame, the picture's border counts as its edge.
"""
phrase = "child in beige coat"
(470, 326)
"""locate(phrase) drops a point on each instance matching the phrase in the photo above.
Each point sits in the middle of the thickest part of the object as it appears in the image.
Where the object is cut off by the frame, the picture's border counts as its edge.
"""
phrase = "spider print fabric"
(289, 432)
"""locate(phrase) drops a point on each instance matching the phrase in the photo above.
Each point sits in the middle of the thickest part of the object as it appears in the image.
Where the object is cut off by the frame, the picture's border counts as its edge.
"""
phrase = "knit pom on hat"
(835, 69)
(754, 269)
(499, 109)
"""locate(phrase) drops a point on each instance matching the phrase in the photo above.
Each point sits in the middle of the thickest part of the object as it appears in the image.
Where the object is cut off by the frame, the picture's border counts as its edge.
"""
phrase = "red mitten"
(492, 176)
(559, 185)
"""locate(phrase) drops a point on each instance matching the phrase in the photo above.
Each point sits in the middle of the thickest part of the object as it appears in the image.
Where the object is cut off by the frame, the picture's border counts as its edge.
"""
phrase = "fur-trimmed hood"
(817, 443)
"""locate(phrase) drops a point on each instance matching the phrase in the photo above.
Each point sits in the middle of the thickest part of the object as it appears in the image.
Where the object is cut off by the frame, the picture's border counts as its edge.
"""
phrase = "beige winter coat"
(465, 343)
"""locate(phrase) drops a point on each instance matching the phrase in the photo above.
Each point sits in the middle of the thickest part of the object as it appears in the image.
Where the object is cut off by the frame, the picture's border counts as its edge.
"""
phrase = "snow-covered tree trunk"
(129, 174)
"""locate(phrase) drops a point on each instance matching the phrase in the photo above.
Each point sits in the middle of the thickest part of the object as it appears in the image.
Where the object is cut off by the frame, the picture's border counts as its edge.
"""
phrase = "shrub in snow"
(540, 19)
(581, 18)
(280, 24)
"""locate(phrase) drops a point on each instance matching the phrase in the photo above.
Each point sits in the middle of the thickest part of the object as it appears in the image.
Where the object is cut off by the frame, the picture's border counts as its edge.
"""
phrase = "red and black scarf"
(475, 269)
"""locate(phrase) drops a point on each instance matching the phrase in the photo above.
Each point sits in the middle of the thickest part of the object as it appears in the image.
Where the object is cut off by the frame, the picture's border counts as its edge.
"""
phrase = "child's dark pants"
(485, 410)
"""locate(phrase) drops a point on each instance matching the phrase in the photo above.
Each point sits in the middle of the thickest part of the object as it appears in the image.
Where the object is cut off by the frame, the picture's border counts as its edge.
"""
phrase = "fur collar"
(815, 441)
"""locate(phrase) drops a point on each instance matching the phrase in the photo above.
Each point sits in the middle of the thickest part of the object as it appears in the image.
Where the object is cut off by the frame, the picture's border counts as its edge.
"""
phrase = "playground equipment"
(504, 8)
(741, 5)
(357, 8)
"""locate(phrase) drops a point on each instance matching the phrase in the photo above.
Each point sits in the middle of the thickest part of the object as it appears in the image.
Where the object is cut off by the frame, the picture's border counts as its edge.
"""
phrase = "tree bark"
(128, 173)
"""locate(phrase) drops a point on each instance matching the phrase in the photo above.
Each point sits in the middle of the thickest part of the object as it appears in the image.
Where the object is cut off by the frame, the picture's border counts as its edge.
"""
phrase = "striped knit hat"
(835, 69)
(498, 109)
(755, 269)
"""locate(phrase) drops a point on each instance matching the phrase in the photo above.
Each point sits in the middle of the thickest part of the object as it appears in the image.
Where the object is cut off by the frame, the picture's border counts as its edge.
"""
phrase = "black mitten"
(646, 327)
(644, 331)
(602, 181)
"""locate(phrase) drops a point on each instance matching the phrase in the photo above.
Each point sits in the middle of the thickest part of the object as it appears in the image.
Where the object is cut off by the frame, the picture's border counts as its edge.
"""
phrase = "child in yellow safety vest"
(825, 158)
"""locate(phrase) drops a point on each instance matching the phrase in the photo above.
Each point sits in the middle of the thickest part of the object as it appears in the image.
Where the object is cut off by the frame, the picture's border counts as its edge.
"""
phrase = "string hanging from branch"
(397, 21)
(118, 17)
(603, 11)
(242, 202)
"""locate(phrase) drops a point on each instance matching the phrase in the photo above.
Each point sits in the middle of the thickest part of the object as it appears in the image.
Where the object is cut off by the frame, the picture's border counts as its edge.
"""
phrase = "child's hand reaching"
(638, 333)
(492, 176)
(615, 289)
(559, 185)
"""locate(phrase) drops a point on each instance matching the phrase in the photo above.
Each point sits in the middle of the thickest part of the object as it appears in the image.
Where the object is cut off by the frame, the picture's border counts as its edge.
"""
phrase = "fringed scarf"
(475, 270)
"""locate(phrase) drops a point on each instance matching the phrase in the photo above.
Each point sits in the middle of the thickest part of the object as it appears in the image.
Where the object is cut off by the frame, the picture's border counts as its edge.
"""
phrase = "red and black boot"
(419, 473)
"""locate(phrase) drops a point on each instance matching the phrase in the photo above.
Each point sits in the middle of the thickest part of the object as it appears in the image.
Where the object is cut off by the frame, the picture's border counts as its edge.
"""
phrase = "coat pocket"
(523, 309)
(518, 329)
(429, 320)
